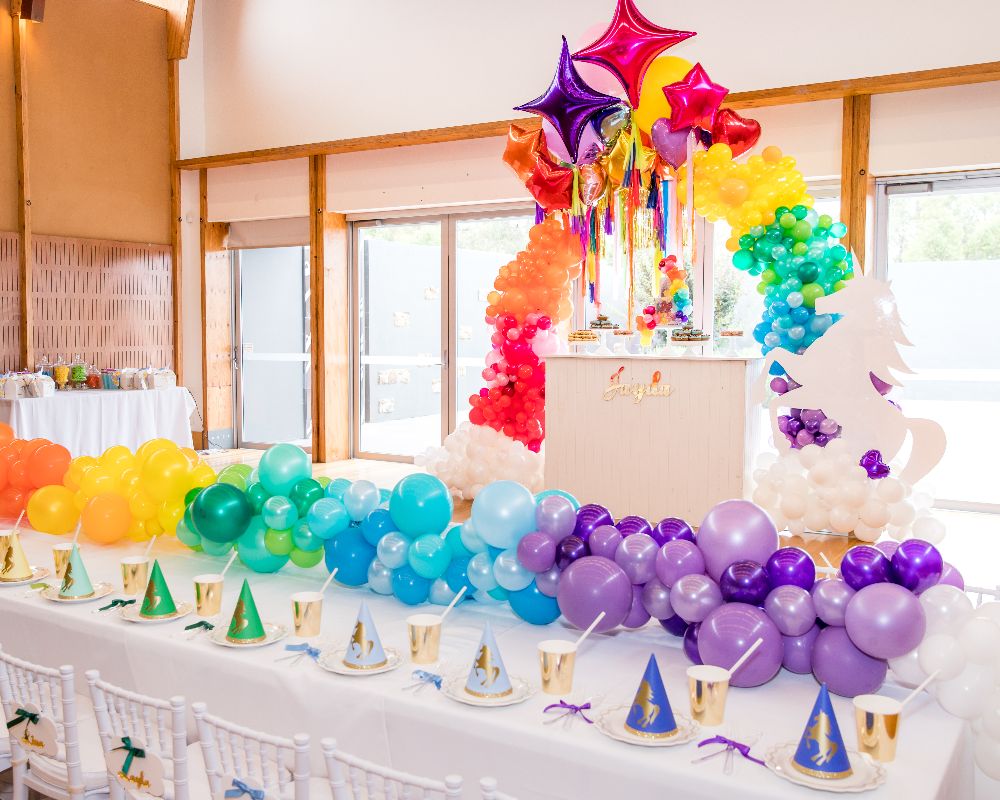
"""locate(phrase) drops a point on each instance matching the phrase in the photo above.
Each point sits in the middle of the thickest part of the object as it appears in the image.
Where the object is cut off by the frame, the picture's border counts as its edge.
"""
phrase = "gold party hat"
(14, 566)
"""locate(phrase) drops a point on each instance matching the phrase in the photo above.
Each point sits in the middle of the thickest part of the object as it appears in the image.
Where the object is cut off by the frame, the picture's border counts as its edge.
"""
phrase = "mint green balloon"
(429, 556)
(216, 548)
(279, 513)
(283, 466)
(253, 552)
(187, 536)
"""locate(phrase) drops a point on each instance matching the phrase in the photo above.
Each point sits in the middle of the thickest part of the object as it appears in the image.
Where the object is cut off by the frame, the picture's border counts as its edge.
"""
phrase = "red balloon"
(740, 133)
(694, 99)
(550, 185)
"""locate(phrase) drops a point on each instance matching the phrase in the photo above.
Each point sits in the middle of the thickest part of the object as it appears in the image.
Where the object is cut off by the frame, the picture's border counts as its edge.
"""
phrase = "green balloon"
(304, 494)
(323, 480)
(305, 539)
(216, 548)
(220, 513)
(306, 558)
(769, 276)
(243, 470)
(810, 293)
(186, 535)
(429, 556)
(253, 551)
(743, 259)
(233, 479)
(278, 543)
(191, 495)
(257, 495)
(283, 466)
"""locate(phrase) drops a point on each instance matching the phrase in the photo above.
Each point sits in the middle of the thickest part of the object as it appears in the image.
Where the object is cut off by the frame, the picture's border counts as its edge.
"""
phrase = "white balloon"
(875, 513)
(907, 669)
(766, 459)
(810, 455)
(796, 484)
(942, 654)
(929, 529)
(988, 755)
(836, 447)
(980, 639)
(991, 715)
(946, 609)
(866, 533)
(852, 494)
(764, 495)
(988, 611)
(796, 527)
(823, 474)
(890, 490)
(842, 519)
(793, 506)
(817, 518)
(921, 500)
(902, 514)
(965, 695)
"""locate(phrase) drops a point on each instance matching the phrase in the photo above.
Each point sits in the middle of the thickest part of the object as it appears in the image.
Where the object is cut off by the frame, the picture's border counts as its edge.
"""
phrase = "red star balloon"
(694, 100)
(628, 47)
(550, 184)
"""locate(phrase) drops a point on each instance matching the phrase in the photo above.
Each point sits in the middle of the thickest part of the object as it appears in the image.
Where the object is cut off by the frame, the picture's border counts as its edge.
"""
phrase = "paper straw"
(229, 563)
(742, 659)
(76, 536)
(590, 629)
(919, 689)
(453, 602)
(149, 547)
(827, 561)
(329, 580)
(17, 524)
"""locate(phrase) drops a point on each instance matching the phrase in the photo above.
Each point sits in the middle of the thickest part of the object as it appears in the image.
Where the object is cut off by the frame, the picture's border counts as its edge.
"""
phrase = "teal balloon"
(220, 513)
(351, 556)
(533, 606)
(283, 466)
(457, 575)
(304, 493)
(327, 518)
(186, 535)
(454, 539)
(304, 538)
(279, 513)
(257, 495)
(503, 512)
(429, 556)
(337, 487)
(440, 593)
(254, 553)
(560, 493)
(471, 540)
(360, 499)
(499, 594)
(383, 496)
(376, 525)
(420, 504)
(409, 587)
(216, 548)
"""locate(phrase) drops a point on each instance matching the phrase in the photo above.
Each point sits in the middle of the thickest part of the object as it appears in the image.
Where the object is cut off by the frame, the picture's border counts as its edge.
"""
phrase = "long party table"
(427, 733)
(88, 422)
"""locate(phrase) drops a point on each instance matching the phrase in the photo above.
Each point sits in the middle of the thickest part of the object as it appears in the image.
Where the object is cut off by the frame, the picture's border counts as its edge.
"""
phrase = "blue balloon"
(409, 587)
(327, 517)
(454, 539)
(376, 525)
(337, 487)
(351, 556)
(533, 606)
(379, 577)
(393, 549)
(457, 575)
(471, 540)
(499, 593)
(252, 551)
(559, 492)
(304, 538)
(503, 512)
(510, 573)
(420, 504)
(480, 572)
(441, 594)
(360, 499)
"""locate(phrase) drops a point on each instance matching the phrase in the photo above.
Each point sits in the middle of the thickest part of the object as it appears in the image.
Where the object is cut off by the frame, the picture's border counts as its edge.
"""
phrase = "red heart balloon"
(738, 132)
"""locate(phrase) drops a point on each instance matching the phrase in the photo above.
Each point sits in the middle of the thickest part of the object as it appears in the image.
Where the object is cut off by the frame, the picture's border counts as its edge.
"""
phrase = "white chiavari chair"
(488, 787)
(353, 778)
(276, 765)
(77, 770)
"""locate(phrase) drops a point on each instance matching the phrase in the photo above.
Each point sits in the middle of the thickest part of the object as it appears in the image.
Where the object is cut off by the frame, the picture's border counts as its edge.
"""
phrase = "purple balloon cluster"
(803, 426)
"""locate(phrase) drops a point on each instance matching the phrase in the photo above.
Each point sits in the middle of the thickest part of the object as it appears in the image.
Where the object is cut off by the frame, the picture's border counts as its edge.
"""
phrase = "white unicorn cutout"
(834, 376)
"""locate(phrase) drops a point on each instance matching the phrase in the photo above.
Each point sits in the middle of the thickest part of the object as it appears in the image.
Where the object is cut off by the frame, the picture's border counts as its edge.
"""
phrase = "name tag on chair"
(34, 731)
(145, 772)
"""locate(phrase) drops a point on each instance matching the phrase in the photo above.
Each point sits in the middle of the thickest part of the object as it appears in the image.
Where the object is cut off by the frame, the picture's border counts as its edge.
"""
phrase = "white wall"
(270, 190)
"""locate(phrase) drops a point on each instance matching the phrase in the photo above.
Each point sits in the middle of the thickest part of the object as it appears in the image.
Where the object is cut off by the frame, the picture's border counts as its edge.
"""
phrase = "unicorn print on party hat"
(488, 676)
(821, 752)
(364, 651)
(245, 627)
(76, 582)
(651, 715)
(157, 602)
(14, 564)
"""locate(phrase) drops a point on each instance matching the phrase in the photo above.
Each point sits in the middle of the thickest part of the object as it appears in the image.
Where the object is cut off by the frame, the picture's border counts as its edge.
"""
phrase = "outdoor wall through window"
(419, 289)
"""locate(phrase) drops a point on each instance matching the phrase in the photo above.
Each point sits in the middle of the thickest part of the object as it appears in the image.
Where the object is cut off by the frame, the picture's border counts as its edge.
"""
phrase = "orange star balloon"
(522, 150)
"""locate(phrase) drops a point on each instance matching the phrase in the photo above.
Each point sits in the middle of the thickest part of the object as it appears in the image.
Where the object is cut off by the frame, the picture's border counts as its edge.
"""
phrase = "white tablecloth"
(88, 422)
(425, 732)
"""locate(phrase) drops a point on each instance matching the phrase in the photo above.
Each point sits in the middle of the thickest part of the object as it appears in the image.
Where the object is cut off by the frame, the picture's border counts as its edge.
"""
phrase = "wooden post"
(176, 280)
(25, 254)
(216, 315)
(855, 182)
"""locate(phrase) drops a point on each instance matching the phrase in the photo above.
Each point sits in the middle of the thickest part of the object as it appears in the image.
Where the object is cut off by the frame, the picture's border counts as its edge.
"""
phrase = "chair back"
(160, 725)
(353, 778)
(488, 788)
(252, 756)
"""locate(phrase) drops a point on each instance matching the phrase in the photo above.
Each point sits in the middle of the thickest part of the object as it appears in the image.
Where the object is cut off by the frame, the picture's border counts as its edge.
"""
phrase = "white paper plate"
(454, 687)
(611, 723)
(272, 633)
(37, 573)
(867, 773)
(131, 613)
(100, 590)
(333, 661)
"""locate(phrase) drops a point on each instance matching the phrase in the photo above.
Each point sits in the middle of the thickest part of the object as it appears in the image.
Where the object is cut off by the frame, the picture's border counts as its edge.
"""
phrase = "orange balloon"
(106, 518)
(33, 446)
(12, 502)
(48, 464)
(17, 474)
(6, 433)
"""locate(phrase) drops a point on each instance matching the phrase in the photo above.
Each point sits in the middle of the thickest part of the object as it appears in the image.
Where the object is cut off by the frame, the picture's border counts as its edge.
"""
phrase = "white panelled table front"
(424, 731)
(89, 421)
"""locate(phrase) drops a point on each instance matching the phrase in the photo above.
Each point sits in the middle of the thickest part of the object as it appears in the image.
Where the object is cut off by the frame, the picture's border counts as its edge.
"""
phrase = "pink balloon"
(596, 77)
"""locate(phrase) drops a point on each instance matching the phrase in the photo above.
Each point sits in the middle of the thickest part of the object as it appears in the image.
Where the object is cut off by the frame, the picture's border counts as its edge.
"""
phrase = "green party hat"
(14, 564)
(246, 626)
(157, 602)
(76, 582)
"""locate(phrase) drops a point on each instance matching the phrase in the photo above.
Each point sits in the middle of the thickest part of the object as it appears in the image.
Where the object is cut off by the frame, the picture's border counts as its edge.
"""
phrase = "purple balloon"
(693, 597)
(791, 609)
(791, 566)
(656, 599)
(548, 582)
(798, 651)
(864, 565)
(888, 547)
(592, 585)
(569, 550)
(670, 528)
(677, 559)
(637, 614)
(670, 145)
(555, 516)
(917, 565)
(674, 625)
(604, 541)
(637, 556)
(880, 385)
(830, 598)
(536, 551)
(952, 577)
(727, 633)
(691, 643)
(736, 530)
(828, 427)
(885, 620)
(632, 524)
(589, 518)
(745, 582)
(842, 667)
(590, 144)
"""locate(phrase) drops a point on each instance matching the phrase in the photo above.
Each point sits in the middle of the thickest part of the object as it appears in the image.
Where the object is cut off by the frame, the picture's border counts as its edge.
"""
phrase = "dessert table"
(88, 422)
(425, 732)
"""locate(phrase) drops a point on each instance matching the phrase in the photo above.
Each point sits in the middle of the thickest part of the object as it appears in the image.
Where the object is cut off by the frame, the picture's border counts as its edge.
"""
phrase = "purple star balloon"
(569, 103)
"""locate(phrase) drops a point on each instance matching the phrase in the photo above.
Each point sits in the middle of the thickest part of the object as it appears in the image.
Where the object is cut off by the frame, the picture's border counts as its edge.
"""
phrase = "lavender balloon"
(669, 144)
(952, 577)
(536, 552)
(830, 599)
(604, 541)
(637, 556)
(674, 625)
(569, 550)
(592, 585)
(677, 559)
(842, 667)
(791, 609)
(656, 599)
(693, 597)
(548, 581)
(555, 516)
(691, 643)
(744, 582)
(589, 518)
(798, 651)
(917, 565)
(791, 566)
(669, 529)
(632, 524)
(864, 565)
(637, 614)
(888, 547)
(885, 620)
(728, 632)
(736, 530)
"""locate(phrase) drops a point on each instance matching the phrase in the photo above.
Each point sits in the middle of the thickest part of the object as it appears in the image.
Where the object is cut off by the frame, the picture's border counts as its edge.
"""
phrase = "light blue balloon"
(279, 513)
(510, 573)
(216, 548)
(561, 493)
(429, 556)
(337, 487)
(503, 512)
(794, 299)
(360, 499)
(441, 594)
(252, 551)
(327, 517)
(484, 597)
(796, 333)
(392, 549)
(471, 539)
(379, 577)
(481, 572)
(187, 536)
(304, 538)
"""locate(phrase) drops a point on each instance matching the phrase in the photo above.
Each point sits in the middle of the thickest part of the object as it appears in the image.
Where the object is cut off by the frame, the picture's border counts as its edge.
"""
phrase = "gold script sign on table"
(637, 391)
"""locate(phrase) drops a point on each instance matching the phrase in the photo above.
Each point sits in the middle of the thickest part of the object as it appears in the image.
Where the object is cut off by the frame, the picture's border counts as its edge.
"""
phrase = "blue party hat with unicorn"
(488, 676)
(821, 752)
(364, 651)
(650, 715)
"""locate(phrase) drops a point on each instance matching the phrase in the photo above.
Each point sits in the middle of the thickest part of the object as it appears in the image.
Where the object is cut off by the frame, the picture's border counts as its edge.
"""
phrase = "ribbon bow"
(21, 715)
(423, 676)
(571, 709)
(239, 789)
(304, 648)
(116, 604)
(131, 753)
(200, 624)
(739, 747)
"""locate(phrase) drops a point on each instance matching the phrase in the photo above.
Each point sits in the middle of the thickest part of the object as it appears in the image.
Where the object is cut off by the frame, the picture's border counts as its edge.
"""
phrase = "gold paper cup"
(135, 574)
(707, 688)
(307, 613)
(60, 557)
(425, 637)
(877, 720)
(208, 594)
(557, 658)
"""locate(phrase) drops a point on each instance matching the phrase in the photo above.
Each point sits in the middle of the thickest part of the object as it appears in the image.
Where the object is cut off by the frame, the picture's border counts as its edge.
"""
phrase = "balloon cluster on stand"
(26, 466)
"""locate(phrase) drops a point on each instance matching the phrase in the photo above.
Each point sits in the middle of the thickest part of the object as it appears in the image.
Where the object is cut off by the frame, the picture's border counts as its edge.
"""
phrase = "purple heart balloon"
(864, 565)
(670, 145)
(633, 524)
(874, 466)
(670, 528)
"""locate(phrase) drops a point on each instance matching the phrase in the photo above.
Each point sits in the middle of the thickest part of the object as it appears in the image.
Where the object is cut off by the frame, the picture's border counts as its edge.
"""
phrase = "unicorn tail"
(928, 447)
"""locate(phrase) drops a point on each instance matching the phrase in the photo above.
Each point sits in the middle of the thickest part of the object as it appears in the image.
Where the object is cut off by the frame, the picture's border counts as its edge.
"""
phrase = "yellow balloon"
(147, 449)
(191, 455)
(141, 505)
(129, 479)
(117, 459)
(652, 102)
(170, 513)
(78, 466)
(80, 500)
(137, 531)
(153, 528)
(166, 474)
(201, 476)
(51, 510)
(98, 480)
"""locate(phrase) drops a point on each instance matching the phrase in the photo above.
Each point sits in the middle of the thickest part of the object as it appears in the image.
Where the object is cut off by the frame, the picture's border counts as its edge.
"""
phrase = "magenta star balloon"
(628, 47)
(694, 100)
(569, 103)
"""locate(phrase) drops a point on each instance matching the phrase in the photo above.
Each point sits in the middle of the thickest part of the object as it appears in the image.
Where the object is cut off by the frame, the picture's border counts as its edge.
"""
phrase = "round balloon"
(729, 631)
(51, 510)
(591, 585)
(885, 620)
(503, 512)
(844, 668)
(350, 555)
(420, 504)
(735, 530)
(221, 513)
(283, 466)
(106, 518)
(532, 606)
